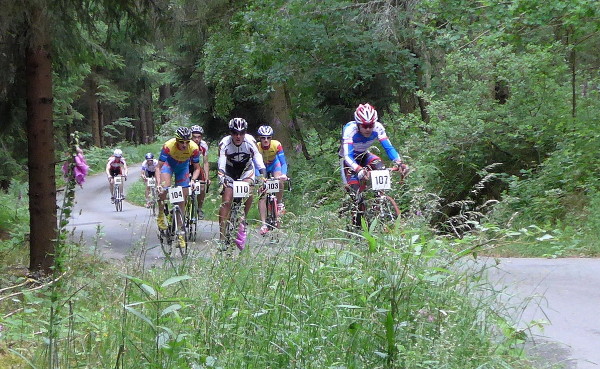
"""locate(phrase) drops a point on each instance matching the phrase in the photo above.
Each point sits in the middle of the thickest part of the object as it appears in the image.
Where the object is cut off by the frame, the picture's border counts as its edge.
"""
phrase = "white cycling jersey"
(234, 160)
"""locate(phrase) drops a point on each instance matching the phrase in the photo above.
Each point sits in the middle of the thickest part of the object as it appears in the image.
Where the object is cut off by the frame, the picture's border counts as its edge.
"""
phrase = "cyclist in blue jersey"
(357, 136)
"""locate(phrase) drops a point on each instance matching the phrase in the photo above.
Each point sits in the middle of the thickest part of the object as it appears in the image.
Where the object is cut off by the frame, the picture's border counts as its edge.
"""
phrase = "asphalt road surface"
(564, 293)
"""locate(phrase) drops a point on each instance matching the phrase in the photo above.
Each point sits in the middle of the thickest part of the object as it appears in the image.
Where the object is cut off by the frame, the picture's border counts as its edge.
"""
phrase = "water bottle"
(241, 236)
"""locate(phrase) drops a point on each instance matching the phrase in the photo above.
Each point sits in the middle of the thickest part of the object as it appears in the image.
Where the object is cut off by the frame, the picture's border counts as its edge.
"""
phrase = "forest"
(493, 105)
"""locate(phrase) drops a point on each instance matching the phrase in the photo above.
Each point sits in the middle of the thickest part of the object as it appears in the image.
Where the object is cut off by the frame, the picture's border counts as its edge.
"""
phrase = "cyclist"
(197, 133)
(148, 171)
(274, 159)
(238, 157)
(357, 136)
(175, 158)
(115, 166)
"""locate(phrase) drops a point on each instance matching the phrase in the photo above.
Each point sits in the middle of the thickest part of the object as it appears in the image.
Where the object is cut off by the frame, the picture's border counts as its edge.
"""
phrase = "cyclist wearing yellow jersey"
(274, 159)
(175, 158)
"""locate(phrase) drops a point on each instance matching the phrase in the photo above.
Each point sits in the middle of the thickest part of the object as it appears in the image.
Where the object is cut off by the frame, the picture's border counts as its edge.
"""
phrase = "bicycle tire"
(153, 201)
(232, 226)
(165, 237)
(118, 200)
(178, 214)
(272, 214)
(383, 208)
(191, 217)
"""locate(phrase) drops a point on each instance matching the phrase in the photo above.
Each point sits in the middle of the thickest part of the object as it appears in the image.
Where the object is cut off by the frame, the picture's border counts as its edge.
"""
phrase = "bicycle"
(191, 209)
(175, 218)
(235, 228)
(151, 183)
(375, 205)
(118, 192)
(271, 188)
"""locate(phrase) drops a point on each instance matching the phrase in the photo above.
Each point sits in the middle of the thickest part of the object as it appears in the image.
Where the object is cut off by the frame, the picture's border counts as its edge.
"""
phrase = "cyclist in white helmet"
(238, 156)
(274, 158)
(116, 165)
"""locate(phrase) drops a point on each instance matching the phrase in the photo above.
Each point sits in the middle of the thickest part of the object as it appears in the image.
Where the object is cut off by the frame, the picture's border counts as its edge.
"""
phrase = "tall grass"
(306, 302)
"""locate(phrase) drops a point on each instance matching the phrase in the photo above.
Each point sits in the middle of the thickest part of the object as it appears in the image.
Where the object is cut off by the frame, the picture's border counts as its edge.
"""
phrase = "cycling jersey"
(175, 157)
(149, 167)
(273, 157)
(115, 162)
(203, 146)
(236, 161)
(355, 144)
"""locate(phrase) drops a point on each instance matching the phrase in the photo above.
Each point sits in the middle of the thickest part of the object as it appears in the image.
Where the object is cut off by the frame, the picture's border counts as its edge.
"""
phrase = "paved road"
(563, 292)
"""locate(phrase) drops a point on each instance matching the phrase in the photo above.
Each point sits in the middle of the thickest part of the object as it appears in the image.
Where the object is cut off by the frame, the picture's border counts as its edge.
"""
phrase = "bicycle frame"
(374, 203)
(118, 192)
(175, 217)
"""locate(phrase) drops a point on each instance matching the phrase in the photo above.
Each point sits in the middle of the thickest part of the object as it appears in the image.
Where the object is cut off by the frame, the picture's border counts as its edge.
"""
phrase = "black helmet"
(149, 156)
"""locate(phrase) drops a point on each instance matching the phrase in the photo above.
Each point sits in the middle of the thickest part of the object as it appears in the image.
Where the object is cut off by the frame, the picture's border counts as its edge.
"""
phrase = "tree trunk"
(279, 116)
(40, 137)
(101, 123)
(93, 106)
(295, 124)
(149, 117)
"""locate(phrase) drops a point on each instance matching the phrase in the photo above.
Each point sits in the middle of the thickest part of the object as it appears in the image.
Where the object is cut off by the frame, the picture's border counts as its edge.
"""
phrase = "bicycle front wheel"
(272, 215)
(384, 209)
(180, 234)
(118, 198)
(191, 217)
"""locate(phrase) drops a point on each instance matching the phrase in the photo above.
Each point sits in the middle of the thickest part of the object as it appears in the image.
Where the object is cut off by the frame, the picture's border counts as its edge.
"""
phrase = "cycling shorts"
(364, 159)
(115, 171)
(181, 172)
(150, 174)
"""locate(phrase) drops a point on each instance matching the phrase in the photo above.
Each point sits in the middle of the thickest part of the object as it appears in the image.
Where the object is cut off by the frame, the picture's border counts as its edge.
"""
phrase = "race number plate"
(118, 180)
(380, 179)
(175, 194)
(241, 189)
(272, 185)
(151, 182)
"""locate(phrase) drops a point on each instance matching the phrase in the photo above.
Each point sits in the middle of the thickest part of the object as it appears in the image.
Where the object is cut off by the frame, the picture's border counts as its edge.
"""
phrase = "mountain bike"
(235, 230)
(271, 187)
(151, 183)
(175, 224)
(191, 209)
(372, 203)
(118, 192)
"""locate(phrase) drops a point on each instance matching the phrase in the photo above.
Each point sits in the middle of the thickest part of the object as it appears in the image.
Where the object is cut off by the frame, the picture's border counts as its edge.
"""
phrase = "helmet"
(149, 156)
(183, 134)
(197, 129)
(238, 124)
(117, 153)
(265, 131)
(365, 114)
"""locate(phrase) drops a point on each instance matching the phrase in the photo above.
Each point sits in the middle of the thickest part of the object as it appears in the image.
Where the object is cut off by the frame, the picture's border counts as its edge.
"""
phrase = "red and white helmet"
(365, 114)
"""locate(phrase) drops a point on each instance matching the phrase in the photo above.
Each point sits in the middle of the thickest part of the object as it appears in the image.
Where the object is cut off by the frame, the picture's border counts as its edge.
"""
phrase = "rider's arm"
(258, 160)
(125, 170)
(108, 168)
(196, 172)
(386, 144)
(222, 161)
(348, 146)
(281, 157)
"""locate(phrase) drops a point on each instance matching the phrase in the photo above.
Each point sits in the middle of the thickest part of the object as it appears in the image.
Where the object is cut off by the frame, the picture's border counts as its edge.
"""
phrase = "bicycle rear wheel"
(153, 201)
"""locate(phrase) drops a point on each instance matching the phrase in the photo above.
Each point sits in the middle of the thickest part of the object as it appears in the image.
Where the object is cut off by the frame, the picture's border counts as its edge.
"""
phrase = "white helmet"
(265, 131)
(238, 125)
(118, 153)
(365, 114)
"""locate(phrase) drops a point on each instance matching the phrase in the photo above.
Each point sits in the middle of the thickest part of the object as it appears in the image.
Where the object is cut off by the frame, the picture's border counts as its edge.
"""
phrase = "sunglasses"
(236, 133)
(265, 137)
(183, 141)
(368, 125)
